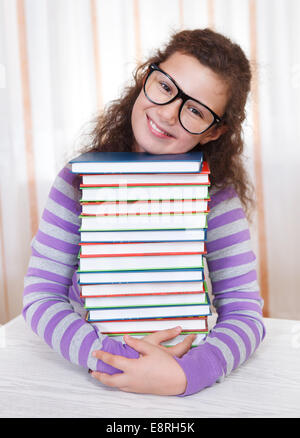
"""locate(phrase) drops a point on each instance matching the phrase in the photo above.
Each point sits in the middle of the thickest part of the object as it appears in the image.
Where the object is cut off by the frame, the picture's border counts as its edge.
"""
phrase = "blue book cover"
(137, 162)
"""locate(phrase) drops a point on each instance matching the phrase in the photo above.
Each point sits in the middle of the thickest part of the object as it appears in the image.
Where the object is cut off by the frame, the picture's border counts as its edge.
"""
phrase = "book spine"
(142, 274)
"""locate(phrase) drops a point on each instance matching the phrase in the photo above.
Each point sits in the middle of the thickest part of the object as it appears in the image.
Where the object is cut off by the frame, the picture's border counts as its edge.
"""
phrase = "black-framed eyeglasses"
(194, 116)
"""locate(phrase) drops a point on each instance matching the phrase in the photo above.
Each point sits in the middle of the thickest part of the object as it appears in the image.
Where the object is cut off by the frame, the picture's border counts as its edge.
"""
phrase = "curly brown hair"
(112, 129)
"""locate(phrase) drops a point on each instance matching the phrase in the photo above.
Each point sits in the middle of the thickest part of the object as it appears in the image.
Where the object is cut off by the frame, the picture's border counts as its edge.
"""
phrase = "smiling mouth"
(158, 131)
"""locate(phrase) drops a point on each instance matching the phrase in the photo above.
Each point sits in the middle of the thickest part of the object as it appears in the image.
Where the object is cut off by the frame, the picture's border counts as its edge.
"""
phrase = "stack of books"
(143, 232)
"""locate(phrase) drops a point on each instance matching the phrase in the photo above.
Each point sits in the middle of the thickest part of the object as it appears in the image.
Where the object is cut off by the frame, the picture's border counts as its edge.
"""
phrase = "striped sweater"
(54, 310)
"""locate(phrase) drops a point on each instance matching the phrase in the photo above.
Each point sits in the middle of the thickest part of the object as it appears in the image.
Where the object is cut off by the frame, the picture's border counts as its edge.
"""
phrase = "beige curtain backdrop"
(63, 60)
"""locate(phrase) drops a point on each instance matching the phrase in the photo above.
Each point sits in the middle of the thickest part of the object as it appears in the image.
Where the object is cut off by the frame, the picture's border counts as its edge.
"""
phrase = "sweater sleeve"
(51, 300)
(232, 270)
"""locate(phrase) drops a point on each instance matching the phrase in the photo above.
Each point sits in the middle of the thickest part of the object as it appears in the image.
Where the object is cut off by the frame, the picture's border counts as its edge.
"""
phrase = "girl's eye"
(165, 87)
(195, 112)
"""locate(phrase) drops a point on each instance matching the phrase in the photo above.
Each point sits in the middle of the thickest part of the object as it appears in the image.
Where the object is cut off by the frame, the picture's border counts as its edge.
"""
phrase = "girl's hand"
(179, 349)
(154, 372)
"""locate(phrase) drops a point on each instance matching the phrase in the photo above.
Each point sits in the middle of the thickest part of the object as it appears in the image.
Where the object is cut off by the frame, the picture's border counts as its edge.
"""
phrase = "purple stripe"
(216, 352)
(85, 348)
(249, 320)
(73, 296)
(236, 294)
(68, 336)
(231, 261)
(52, 324)
(240, 332)
(75, 286)
(48, 276)
(64, 201)
(39, 313)
(230, 344)
(46, 287)
(228, 283)
(68, 176)
(59, 222)
(76, 290)
(254, 328)
(227, 241)
(239, 307)
(58, 244)
(222, 195)
(225, 218)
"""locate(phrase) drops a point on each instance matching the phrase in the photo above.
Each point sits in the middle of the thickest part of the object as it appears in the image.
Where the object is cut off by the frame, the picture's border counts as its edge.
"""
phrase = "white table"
(37, 382)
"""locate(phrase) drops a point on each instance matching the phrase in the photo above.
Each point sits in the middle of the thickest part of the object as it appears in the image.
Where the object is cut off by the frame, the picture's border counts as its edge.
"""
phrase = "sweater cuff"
(115, 347)
(201, 367)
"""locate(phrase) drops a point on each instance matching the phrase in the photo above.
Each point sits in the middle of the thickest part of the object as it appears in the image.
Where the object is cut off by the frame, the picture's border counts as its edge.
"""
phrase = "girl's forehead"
(196, 79)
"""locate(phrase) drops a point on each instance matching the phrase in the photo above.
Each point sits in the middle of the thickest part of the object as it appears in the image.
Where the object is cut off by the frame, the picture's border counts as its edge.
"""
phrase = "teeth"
(157, 129)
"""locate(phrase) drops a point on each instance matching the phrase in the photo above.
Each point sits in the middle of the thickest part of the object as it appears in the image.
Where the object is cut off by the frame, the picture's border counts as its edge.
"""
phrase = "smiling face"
(157, 129)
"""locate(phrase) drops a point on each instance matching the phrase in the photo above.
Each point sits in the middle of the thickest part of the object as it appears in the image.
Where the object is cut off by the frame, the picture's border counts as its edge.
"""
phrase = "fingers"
(182, 347)
(114, 360)
(139, 345)
(114, 381)
(163, 335)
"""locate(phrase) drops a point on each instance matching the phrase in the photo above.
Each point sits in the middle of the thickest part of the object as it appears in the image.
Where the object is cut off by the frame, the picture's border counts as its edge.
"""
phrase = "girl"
(203, 73)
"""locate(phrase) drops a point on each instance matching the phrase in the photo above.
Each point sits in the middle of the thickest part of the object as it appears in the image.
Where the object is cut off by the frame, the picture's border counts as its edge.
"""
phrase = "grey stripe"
(55, 254)
(230, 272)
(77, 340)
(61, 328)
(236, 249)
(49, 313)
(53, 267)
(225, 350)
(58, 233)
(237, 339)
(224, 301)
(62, 212)
(225, 207)
(97, 345)
(67, 189)
(243, 326)
(28, 280)
(42, 296)
(226, 230)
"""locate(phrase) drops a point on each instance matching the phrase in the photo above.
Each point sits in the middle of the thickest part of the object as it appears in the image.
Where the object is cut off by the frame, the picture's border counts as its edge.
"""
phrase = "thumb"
(182, 347)
(138, 344)
(157, 338)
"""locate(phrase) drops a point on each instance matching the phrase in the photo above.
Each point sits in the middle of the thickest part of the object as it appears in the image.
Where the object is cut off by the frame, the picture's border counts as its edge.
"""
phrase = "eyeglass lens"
(193, 116)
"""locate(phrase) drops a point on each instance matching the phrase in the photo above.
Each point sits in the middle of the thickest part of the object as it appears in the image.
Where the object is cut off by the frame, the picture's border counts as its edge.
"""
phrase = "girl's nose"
(169, 113)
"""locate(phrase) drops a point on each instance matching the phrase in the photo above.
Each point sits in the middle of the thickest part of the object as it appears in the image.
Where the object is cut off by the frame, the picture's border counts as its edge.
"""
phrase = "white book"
(149, 312)
(142, 326)
(140, 289)
(145, 300)
(130, 193)
(134, 263)
(140, 276)
(142, 248)
(188, 234)
(134, 207)
(143, 222)
(140, 178)
(199, 337)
